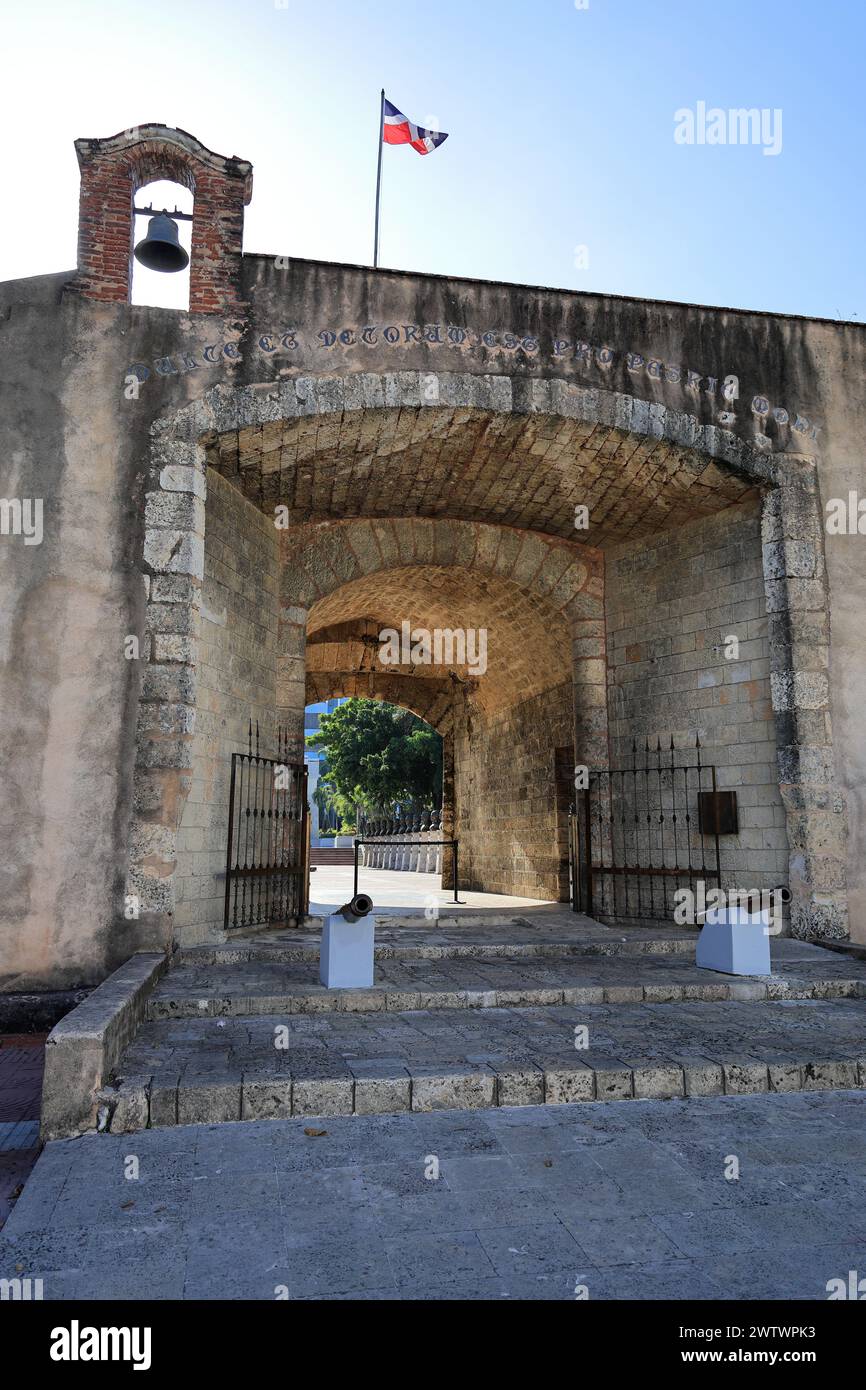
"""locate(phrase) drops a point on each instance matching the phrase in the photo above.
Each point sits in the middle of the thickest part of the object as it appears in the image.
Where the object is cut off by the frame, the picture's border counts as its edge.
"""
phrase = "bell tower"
(112, 172)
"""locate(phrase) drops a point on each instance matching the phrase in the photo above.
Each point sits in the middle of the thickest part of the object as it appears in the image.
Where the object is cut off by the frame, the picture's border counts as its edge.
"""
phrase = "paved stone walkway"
(394, 892)
(547, 930)
(206, 1069)
(205, 987)
(622, 1201)
(482, 1015)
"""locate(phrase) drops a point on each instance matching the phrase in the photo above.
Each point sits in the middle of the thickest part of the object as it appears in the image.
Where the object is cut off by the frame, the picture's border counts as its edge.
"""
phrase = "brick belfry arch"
(112, 172)
(642, 468)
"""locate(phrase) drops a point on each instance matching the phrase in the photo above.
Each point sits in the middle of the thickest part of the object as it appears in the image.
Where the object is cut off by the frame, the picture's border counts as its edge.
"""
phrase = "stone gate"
(239, 499)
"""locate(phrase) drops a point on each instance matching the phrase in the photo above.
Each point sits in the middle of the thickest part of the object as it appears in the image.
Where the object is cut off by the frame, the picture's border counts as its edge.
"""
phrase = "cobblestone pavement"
(21, 1061)
(619, 1201)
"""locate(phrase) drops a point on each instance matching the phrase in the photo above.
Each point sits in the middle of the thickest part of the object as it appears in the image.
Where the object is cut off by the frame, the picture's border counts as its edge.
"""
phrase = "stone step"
(305, 946)
(327, 854)
(194, 990)
(270, 1067)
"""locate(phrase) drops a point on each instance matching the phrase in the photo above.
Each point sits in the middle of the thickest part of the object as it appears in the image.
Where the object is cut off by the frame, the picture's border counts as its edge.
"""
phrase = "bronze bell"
(161, 249)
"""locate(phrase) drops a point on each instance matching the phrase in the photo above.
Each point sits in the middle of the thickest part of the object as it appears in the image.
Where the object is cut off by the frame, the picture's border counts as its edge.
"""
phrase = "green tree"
(377, 754)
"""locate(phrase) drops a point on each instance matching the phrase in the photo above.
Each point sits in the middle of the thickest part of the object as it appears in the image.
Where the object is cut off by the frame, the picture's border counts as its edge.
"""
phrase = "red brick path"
(21, 1062)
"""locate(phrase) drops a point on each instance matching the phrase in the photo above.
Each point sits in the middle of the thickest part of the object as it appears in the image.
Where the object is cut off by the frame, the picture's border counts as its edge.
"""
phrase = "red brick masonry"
(22, 1058)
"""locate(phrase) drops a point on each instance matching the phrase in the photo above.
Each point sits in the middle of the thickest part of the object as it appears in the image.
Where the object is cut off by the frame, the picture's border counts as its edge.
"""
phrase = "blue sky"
(561, 125)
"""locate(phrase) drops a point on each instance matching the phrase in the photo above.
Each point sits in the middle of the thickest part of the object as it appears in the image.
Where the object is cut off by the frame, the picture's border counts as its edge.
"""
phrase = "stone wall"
(511, 822)
(236, 681)
(671, 602)
(73, 433)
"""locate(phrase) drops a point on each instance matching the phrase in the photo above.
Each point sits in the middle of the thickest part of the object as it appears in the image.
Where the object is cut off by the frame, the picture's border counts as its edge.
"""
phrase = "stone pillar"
(291, 676)
(173, 572)
(403, 851)
(376, 850)
(798, 621)
(589, 658)
(589, 669)
(425, 836)
(435, 865)
(415, 852)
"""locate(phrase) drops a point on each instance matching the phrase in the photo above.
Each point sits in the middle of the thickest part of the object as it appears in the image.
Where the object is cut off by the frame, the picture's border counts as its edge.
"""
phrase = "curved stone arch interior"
(174, 561)
(428, 700)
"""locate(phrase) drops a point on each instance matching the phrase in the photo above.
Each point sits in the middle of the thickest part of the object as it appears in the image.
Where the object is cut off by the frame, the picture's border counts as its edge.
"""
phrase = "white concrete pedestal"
(346, 956)
(735, 942)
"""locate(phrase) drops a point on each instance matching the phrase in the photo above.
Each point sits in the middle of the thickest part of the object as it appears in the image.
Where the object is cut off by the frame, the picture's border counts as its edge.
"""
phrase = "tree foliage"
(378, 754)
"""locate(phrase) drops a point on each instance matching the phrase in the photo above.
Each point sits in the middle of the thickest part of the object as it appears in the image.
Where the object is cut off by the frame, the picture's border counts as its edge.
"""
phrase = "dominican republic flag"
(397, 130)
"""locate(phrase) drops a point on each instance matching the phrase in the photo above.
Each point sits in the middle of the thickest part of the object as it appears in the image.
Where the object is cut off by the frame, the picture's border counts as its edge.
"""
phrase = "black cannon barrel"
(359, 906)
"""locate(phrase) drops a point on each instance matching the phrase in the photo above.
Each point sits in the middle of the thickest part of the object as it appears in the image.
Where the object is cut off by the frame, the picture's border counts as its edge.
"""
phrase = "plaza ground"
(629, 1201)
(441, 1135)
(331, 885)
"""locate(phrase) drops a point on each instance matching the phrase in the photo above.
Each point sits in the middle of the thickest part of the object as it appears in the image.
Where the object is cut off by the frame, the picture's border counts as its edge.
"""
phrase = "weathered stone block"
(131, 1110)
(827, 1076)
(701, 1077)
(177, 478)
(745, 1077)
(163, 1100)
(567, 1081)
(519, 1084)
(613, 1081)
(657, 1082)
(178, 511)
(441, 1089)
(266, 1098)
(171, 647)
(208, 1102)
(784, 1076)
(325, 1095)
(382, 1095)
(175, 552)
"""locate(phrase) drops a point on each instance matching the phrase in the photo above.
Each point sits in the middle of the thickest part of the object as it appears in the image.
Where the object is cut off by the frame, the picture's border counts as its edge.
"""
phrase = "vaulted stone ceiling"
(528, 471)
(430, 698)
(528, 643)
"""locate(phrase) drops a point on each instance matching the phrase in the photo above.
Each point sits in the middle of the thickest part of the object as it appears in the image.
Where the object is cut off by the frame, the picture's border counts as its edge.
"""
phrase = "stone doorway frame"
(795, 582)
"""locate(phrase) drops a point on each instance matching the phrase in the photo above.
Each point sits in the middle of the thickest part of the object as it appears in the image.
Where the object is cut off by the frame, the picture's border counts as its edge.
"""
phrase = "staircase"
(481, 1015)
(329, 854)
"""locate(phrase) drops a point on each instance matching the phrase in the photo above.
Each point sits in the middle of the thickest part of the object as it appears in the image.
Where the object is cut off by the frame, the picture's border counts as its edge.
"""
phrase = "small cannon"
(348, 943)
(359, 906)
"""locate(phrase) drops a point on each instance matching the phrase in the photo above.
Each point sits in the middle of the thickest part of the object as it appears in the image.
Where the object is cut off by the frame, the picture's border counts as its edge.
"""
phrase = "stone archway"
(429, 698)
(531, 598)
(549, 446)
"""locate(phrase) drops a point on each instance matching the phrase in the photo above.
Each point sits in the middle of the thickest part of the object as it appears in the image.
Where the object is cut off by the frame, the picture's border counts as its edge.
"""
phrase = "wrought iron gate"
(637, 835)
(267, 859)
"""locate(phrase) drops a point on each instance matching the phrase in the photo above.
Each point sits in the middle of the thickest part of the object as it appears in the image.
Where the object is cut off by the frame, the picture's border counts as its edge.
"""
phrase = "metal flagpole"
(379, 177)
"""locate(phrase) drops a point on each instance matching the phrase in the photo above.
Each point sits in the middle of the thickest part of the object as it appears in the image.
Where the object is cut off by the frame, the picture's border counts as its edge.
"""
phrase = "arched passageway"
(607, 549)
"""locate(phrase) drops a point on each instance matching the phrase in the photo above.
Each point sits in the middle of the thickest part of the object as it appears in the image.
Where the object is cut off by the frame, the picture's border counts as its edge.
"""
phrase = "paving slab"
(536, 1202)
